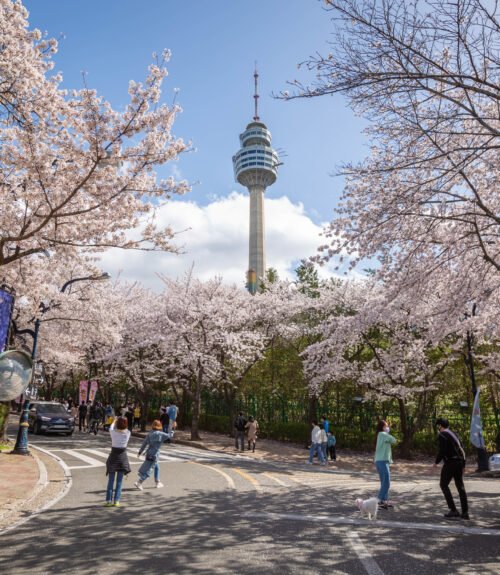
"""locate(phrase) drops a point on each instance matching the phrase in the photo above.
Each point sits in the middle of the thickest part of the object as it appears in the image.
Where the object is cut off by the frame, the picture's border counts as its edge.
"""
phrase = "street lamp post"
(21, 447)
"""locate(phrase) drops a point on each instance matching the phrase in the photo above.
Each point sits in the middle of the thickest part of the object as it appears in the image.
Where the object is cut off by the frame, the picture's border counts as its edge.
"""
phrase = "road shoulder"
(29, 485)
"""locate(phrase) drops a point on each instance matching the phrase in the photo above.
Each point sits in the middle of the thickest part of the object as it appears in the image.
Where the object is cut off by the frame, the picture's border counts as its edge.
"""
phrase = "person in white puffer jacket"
(316, 444)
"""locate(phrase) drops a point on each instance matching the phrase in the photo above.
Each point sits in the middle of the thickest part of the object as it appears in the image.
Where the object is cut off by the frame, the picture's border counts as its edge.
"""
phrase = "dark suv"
(50, 416)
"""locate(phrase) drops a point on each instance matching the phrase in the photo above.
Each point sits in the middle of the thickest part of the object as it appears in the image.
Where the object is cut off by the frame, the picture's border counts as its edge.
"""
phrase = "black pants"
(453, 469)
(332, 452)
(239, 437)
(81, 422)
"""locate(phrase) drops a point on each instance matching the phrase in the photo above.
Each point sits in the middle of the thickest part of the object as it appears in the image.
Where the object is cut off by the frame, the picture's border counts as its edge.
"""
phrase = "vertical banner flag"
(93, 390)
(84, 388)
(6, 306)
(476, 427)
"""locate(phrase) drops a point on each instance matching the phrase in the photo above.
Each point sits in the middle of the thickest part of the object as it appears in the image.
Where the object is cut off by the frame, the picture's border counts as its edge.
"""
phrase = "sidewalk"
(28, 484)
(271, 450)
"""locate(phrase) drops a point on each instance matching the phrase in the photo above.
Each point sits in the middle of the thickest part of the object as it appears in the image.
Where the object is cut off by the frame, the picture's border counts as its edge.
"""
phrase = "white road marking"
(370, 565)
(78, 455)
(339, 520)
(278, 481)
(227, 477)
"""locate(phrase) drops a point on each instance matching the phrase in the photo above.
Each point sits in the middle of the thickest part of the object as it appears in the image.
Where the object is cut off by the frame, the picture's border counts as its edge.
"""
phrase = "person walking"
(331, 443)
(326, 423)
(316, 444)
(172, 411)
(251, 427)
(239, 426)
(137, 416)
(323, 441)
(130, 416)
(82, 415)
(117, 464)
(153, 442)
(452, 453)
(164, 418)
(383, 460)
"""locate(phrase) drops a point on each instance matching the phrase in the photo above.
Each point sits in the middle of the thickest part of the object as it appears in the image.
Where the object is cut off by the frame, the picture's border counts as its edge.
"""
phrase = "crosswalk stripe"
(90, 460)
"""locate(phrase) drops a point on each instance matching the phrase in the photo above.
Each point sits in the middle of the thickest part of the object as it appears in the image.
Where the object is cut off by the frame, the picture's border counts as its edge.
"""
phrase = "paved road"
(222, 513)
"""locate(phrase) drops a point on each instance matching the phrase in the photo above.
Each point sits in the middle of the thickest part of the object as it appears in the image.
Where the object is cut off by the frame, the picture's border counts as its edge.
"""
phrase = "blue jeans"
(145, 470)
(316, 447)
(118, 489)
(385, 479)
(324, 450)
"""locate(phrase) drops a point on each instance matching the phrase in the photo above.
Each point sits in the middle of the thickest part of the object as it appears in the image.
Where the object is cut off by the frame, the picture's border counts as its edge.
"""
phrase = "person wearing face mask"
(383, 460)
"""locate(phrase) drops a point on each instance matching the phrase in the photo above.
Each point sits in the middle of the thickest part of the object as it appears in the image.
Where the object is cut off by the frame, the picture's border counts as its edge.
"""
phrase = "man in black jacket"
(82, 414)
(453, 455)
(239, 425)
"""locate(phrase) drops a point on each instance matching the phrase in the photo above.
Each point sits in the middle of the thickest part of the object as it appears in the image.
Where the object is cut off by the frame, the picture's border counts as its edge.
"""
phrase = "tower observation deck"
(256, 167)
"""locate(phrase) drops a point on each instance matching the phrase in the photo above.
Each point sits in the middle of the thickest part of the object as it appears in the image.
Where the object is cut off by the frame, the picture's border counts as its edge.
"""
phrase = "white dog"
(368, 507)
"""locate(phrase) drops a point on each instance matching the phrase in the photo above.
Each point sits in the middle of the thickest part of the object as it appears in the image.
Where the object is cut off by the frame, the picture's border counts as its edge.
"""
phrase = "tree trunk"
(230, 397)
(4, 419)
(407, 431)
(195, 416)
(313, 414)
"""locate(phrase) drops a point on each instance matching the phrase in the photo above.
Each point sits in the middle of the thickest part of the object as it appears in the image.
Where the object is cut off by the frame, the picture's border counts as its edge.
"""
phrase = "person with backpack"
(452, 454)
(239, 437)
(152, 444)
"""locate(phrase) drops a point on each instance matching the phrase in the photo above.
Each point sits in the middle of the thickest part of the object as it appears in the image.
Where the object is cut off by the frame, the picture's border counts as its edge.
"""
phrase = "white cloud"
(216, 241)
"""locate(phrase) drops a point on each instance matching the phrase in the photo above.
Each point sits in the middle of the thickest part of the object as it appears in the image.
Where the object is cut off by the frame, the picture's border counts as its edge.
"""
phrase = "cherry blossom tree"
(426, 76)
(74, 172)
(387, 351)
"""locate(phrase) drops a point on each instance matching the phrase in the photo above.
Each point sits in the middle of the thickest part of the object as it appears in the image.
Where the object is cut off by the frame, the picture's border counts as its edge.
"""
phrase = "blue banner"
(476, 425)
(6, 305)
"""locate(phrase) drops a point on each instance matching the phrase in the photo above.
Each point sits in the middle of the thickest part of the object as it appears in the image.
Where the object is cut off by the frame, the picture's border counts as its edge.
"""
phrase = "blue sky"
(214, 45)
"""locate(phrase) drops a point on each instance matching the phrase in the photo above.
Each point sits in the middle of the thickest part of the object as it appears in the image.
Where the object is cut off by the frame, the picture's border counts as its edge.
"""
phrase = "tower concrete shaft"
(256, 167)
(256, 246)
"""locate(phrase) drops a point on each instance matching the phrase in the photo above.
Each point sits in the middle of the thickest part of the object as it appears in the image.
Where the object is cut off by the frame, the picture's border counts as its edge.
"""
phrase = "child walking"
(117, 464)
(152, 442)
(331, 443)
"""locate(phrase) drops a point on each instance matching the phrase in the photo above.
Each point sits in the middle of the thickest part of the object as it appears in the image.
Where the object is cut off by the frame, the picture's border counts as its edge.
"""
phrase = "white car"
(495, 462)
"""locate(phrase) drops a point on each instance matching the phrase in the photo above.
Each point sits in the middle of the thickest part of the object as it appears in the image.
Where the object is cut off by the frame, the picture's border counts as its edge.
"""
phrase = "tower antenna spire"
(256, 95)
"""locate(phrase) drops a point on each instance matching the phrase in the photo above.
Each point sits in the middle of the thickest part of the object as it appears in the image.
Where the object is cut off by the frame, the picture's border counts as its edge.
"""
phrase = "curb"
(43, 480)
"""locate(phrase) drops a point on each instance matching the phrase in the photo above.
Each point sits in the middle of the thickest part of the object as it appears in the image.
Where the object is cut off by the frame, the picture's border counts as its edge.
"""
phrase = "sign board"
(6, 306)
(16, 369)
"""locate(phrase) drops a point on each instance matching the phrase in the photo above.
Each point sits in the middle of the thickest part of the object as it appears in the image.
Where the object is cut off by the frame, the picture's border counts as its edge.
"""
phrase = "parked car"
(50, 416)
(495, 462)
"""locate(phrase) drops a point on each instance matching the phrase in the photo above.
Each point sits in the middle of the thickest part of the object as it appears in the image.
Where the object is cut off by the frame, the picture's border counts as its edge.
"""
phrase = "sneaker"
(116, 504)
(382, 505)
(138, 484)
(465, 516)
(452, 514)
(309, 462)
(159, 485)
(108, 504)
